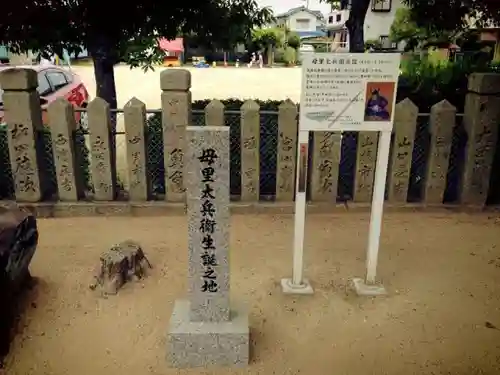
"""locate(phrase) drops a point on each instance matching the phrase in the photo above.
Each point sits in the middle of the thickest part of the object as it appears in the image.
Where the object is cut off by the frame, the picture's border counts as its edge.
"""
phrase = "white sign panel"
(348, 92)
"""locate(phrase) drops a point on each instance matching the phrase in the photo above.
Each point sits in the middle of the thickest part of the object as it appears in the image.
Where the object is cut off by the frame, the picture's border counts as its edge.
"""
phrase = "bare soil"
(442, 271)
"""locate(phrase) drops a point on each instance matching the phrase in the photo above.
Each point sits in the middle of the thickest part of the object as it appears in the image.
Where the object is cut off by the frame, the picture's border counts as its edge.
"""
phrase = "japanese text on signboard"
(325, 80)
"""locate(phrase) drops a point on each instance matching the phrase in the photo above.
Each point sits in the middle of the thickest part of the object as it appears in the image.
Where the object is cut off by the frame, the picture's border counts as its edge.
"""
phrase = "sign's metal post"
(297, 284)
(368, 286)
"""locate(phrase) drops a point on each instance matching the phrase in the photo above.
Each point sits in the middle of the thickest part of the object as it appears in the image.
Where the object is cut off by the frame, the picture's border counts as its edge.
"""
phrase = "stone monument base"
(203, 344)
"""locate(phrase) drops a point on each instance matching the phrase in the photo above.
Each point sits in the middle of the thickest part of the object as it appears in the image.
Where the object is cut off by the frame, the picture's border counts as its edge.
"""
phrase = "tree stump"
(18, 241)
(122, 263)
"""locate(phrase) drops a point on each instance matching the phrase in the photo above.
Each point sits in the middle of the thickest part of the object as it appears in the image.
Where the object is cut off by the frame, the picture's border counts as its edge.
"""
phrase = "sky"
(281, 6)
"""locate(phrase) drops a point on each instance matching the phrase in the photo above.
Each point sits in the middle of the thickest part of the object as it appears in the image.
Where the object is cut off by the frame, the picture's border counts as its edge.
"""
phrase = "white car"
(306, 48)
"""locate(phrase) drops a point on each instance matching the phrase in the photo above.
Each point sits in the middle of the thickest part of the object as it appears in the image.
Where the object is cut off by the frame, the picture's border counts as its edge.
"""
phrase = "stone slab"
(203, 344)
(288, 288)
(368, 290)
(207, 190)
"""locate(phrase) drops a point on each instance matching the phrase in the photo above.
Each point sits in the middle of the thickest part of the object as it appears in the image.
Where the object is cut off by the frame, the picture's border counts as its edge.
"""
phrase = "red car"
(55, 82)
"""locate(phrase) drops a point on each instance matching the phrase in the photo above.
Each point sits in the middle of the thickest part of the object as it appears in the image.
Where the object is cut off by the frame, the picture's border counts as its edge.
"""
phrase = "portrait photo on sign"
(379, 101)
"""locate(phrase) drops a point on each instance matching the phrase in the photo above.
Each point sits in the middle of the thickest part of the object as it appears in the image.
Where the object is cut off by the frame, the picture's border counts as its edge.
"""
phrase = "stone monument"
(204, 330)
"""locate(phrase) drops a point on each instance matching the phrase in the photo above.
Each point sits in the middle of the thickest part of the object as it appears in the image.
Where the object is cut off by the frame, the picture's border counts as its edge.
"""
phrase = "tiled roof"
(292, 11)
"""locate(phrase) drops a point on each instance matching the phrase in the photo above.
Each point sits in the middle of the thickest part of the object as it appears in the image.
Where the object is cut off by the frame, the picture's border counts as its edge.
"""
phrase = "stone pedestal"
(201, 344)
(204, 330)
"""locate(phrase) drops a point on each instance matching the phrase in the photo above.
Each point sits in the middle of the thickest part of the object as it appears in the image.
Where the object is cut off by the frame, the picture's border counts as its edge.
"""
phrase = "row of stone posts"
(24, 118)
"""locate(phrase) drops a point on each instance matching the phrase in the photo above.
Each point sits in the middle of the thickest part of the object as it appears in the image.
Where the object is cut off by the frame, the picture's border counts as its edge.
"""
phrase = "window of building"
(339, 17)
(302, 24)
(381, 5)
(387, 43)
(330, 19)
(343, 37)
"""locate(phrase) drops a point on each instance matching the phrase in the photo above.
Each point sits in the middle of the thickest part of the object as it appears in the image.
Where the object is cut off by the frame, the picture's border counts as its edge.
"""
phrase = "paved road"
(219, 83)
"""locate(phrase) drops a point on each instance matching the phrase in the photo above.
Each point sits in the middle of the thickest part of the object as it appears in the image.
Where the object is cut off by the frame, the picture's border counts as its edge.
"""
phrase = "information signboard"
(348, 92)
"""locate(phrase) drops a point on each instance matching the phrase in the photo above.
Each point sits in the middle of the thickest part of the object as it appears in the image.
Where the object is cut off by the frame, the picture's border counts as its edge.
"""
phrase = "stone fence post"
(176, 116)
(23, 116)
(481, 120)
(442, 122)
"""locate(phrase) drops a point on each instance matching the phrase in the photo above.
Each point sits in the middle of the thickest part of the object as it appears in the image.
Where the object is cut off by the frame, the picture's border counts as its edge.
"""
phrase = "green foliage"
(268, 38)
(373, 43)
(293, 40)
(290, 55)
(405, 29)
(53, 25)
(426, 81)
(453, 14)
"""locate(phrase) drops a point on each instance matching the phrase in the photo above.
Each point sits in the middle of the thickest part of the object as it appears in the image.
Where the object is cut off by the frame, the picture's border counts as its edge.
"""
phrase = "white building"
(303, 21)
(379, 19)
(377, 26)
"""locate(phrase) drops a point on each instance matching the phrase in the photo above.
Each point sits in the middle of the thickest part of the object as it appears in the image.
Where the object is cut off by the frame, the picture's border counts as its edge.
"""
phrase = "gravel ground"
(442, 272)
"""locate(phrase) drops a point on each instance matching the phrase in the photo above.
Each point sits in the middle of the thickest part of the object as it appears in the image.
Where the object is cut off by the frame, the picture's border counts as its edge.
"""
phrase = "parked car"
(53, 83)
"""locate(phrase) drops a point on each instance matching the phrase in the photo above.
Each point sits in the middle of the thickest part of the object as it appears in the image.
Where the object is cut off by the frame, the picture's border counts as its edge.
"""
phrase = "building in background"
(379, 19)
(377, 26)
(489, 35)
(336, 30)
(305, 22)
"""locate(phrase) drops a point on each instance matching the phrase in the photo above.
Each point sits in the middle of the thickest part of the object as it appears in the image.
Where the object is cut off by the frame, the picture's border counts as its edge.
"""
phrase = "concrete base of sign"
(364, 289)
(289, 288)
(203, 344)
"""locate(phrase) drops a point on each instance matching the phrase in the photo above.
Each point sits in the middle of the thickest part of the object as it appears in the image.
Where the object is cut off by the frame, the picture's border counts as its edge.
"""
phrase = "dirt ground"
(442, 272)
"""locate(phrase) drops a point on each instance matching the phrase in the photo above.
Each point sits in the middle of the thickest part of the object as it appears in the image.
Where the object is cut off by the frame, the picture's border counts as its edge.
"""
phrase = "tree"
(453, 14)
(268, 39)
(405, 29)
(355, 22)
(116, 31)
(293, 40)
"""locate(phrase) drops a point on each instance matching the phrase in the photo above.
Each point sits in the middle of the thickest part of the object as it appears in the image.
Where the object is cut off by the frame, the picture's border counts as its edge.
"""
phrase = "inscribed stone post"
(23, 116)
(443, 116)
(176, 115)
(287, 151)
(250, 151)
(482, 116)
(62, 125)
(207, 165)
(325, 166)
(405, 122)
(135, 132)
(203, 331)
(103, 160)
(366, 160)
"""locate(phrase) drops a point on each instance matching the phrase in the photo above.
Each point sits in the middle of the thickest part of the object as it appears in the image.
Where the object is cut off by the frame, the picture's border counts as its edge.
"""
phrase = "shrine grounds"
(442, 271)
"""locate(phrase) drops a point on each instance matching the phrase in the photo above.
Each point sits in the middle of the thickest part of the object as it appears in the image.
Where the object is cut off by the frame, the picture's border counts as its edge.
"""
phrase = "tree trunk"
(105, 80)
(355, 25)
(270, 55)
(104, 59)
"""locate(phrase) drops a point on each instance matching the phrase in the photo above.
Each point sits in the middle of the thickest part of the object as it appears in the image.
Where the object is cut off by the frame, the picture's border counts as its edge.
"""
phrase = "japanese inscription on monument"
(208, 222)
(207, 183)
